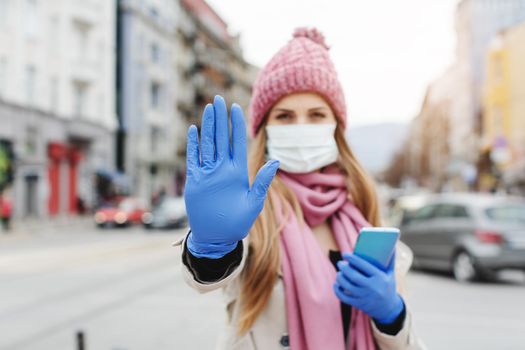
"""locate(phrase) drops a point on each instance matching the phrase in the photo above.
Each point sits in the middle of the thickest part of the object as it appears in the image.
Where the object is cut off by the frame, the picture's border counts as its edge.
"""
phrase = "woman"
(276, 250)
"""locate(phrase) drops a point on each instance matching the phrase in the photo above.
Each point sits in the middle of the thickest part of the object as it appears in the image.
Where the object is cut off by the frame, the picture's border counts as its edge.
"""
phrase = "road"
(123, 289)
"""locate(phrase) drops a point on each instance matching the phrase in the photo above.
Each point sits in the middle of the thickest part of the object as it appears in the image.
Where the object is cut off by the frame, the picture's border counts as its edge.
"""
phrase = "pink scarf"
(313, 310)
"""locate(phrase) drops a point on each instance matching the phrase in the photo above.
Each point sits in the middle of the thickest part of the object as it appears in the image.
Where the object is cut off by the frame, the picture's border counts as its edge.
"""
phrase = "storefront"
(55, 162)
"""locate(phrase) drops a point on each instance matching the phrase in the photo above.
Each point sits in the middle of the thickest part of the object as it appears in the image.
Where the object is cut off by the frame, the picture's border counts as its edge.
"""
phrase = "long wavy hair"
(262, 266)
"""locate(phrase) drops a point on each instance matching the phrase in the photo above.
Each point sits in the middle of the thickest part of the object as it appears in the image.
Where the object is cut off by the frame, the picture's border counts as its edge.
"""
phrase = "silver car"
(471, 235)
(169, 214)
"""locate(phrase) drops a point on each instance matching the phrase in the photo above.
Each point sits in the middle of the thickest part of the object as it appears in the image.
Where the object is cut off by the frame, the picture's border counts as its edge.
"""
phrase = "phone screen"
(377, 244)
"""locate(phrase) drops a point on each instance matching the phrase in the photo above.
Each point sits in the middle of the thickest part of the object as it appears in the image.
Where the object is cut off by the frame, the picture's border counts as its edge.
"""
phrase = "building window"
(3, 75)
(155, 52)
(31, 141)
(31, 24)
(4, 11)
(140, 46)
(154, 12)
(81, 33)
(80, 97)
(30, 85)
(53, 94)
(101, 106)
(101, 51)
(155, 139)
(155, 95)
(54, 30)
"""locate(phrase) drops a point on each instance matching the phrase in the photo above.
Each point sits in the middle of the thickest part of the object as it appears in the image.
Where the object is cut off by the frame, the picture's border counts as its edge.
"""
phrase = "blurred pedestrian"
(158, 197)
(6, 208)
(292, 282)
(81, 206)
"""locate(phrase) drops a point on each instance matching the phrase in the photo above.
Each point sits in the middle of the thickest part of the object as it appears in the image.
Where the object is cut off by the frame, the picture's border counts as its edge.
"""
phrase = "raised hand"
(220, 204)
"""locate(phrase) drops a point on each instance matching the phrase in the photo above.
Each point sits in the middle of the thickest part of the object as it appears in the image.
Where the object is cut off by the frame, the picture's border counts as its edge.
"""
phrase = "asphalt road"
(123, 289)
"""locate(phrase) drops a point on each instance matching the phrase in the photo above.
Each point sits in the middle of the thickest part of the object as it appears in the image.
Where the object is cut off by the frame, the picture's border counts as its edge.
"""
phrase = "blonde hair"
(262, 266)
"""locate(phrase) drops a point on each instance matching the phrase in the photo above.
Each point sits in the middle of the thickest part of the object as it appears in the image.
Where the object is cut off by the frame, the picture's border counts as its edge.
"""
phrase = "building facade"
(56, 100)
(424, 160)
(147, 90)
(504, 109)
(73, 75)
(477, 22)
(454, 102)
(209, 62)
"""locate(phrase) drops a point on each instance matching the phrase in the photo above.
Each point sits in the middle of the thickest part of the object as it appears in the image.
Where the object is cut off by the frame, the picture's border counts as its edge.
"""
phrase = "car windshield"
(507, 213)
(170, 206)
(127, 205)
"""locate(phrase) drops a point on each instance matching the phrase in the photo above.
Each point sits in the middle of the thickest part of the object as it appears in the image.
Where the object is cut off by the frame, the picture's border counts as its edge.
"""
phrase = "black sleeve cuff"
(212, 270)
(394, 327)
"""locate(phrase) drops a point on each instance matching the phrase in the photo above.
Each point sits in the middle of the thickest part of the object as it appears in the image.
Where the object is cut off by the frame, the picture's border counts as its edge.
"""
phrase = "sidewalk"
(21, 228)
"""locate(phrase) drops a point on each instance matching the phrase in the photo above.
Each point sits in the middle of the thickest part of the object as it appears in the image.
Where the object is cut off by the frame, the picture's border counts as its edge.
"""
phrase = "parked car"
(471, 235)
(129, 211)
(170, 213)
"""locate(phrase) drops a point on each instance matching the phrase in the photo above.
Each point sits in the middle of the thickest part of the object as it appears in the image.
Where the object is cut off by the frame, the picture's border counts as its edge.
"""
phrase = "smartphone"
(377, 245)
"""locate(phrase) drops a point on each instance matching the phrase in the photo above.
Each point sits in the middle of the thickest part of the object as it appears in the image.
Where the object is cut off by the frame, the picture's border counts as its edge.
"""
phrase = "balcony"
(86, 11)
(212, 57)
(84, 69)
(187, 29)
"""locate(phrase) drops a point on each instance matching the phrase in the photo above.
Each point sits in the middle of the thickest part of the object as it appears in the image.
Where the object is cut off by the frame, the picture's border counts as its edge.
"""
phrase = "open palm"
(221, 205)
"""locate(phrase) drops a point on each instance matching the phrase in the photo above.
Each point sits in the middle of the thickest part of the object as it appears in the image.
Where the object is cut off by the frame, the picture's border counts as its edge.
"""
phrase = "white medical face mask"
(302, 148)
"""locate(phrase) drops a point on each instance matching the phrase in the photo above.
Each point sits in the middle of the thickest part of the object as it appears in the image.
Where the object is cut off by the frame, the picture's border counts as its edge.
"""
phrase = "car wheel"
(463, 267)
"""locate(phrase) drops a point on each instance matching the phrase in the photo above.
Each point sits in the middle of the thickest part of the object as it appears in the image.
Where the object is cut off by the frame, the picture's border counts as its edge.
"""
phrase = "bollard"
(80, 341)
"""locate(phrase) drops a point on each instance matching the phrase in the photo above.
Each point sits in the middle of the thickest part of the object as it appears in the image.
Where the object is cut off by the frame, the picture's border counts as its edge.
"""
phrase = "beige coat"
(271, 325)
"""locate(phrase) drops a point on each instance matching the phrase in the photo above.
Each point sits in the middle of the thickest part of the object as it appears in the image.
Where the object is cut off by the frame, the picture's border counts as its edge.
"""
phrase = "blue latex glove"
(220, 204)
(366, 287)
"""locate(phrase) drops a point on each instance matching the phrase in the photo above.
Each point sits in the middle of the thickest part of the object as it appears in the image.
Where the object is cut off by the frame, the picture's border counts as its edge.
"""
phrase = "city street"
(123, 289)
(145, 113)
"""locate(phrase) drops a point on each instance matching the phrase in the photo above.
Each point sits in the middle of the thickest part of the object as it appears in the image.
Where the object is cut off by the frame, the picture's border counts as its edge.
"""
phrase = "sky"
(386, 52)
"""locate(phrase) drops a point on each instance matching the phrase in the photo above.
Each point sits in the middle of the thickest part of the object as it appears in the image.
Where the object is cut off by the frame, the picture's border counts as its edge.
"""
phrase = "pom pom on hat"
(312, 34)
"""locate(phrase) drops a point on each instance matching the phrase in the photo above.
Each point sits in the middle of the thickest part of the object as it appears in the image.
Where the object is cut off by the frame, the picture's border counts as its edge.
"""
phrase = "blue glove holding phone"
(368, 288)
(220, 204)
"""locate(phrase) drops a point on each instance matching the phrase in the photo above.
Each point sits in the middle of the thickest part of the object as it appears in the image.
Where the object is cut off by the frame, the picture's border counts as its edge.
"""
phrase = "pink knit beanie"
(303, 65)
